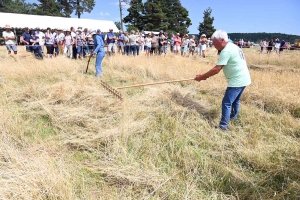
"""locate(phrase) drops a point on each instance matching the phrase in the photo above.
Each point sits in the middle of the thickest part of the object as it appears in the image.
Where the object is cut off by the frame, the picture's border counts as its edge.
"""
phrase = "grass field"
(63, 136)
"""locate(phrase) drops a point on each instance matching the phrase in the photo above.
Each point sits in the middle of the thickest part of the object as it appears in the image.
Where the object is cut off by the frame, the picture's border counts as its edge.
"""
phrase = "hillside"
(63, 136)
(257, 37)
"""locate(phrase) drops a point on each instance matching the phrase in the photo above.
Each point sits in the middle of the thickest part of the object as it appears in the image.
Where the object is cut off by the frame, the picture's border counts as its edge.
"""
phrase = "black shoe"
(222, 128)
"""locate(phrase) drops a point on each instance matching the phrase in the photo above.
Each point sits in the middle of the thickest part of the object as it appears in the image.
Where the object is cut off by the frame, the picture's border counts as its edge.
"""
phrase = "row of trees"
(167, 15)
(61, 8)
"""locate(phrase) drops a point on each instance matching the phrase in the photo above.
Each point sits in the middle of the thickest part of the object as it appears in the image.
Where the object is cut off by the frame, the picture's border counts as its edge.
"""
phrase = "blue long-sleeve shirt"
(98, 44)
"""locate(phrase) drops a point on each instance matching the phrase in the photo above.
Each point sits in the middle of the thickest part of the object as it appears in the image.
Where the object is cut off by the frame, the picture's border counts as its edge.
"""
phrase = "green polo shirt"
(235, 67)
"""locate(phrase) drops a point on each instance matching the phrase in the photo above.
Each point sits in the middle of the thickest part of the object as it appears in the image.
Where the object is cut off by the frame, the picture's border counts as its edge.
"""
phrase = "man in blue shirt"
(34, 40)
(111, 48)
(25, 39)
(98, 51)
(282, 46)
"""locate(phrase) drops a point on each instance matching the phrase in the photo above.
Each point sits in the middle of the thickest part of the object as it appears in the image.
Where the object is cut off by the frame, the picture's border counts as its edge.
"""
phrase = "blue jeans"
(231, 105)
(99, 58)
(132, 50)
(37, 50)
(126, 50)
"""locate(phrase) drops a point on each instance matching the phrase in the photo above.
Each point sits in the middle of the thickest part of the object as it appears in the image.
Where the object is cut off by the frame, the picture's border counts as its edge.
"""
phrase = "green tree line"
(156, 15)
(60, 8)
(257, 37)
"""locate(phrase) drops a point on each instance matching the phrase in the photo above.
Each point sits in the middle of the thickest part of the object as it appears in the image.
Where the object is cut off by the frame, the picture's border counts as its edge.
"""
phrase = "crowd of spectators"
(78, 43)
(276, 45)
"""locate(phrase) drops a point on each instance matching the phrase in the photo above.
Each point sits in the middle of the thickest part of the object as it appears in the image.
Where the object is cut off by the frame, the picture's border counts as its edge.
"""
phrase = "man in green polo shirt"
(233, 63)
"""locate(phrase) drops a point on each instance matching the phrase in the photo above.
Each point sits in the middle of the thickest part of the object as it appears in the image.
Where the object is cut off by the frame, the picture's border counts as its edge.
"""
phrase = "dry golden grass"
(63, 136)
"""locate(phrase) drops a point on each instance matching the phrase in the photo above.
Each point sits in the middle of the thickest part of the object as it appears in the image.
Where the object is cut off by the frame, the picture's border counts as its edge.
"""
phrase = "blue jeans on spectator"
(99, 58)
(37, 50)
(79, 50)
(133, 50)
(230, 105)
(126, 50)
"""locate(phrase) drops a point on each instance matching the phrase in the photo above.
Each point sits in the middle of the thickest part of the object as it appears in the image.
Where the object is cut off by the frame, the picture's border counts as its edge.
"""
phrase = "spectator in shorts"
(270, 45)
(203, 42)
(148, 40)
(184, 44)
(111, 48)
(25, 39)
(80, 41)
(277, 45)
(50, 41)
(282, 46)
(177, 42)
(120, 42)
(9, 38)
(192, 45)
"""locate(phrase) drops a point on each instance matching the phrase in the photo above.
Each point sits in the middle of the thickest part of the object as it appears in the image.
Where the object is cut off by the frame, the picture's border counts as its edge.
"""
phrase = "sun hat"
(178, 33)
(203, 35)
(132, 31)
(79, 29)
(93, 33)
(59, 29)
(7, 26)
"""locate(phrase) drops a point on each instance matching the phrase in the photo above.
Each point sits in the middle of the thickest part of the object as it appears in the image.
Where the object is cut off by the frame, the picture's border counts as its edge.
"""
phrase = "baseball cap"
(178, 33)
(26, 28)
(37, 28)
(98, 30)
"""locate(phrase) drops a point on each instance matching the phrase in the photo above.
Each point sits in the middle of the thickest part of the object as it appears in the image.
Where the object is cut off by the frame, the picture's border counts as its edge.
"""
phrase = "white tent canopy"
(33, 21)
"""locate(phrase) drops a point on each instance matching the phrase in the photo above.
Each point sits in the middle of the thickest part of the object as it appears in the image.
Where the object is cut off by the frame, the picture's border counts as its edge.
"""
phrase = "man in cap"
(41, 36)
(110, 38)
(9, 38)
(25, 39)
(234, 65)
(98, 52)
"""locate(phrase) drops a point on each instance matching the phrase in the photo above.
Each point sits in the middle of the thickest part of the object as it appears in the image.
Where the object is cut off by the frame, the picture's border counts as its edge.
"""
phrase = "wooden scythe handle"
(145, 84)
(87, 67)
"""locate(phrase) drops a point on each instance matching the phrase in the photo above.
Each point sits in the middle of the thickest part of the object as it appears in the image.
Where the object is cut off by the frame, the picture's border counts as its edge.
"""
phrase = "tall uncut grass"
(63, 136)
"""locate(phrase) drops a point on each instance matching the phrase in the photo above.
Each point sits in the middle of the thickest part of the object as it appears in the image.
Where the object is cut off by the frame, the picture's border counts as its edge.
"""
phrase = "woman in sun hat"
(99, 52)
(9, 38)
(68, 44)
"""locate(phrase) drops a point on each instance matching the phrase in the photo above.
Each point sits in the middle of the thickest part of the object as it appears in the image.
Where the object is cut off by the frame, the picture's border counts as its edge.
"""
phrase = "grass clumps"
(63, 136)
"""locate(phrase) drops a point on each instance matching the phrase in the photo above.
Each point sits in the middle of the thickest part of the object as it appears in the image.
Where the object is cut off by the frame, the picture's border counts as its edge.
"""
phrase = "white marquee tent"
(33, 21)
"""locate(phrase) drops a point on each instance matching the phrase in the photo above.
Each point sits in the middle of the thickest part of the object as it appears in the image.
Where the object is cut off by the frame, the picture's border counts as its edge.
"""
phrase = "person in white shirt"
(9, 38)
(41, 36)
(68, 44)
(148, 41)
